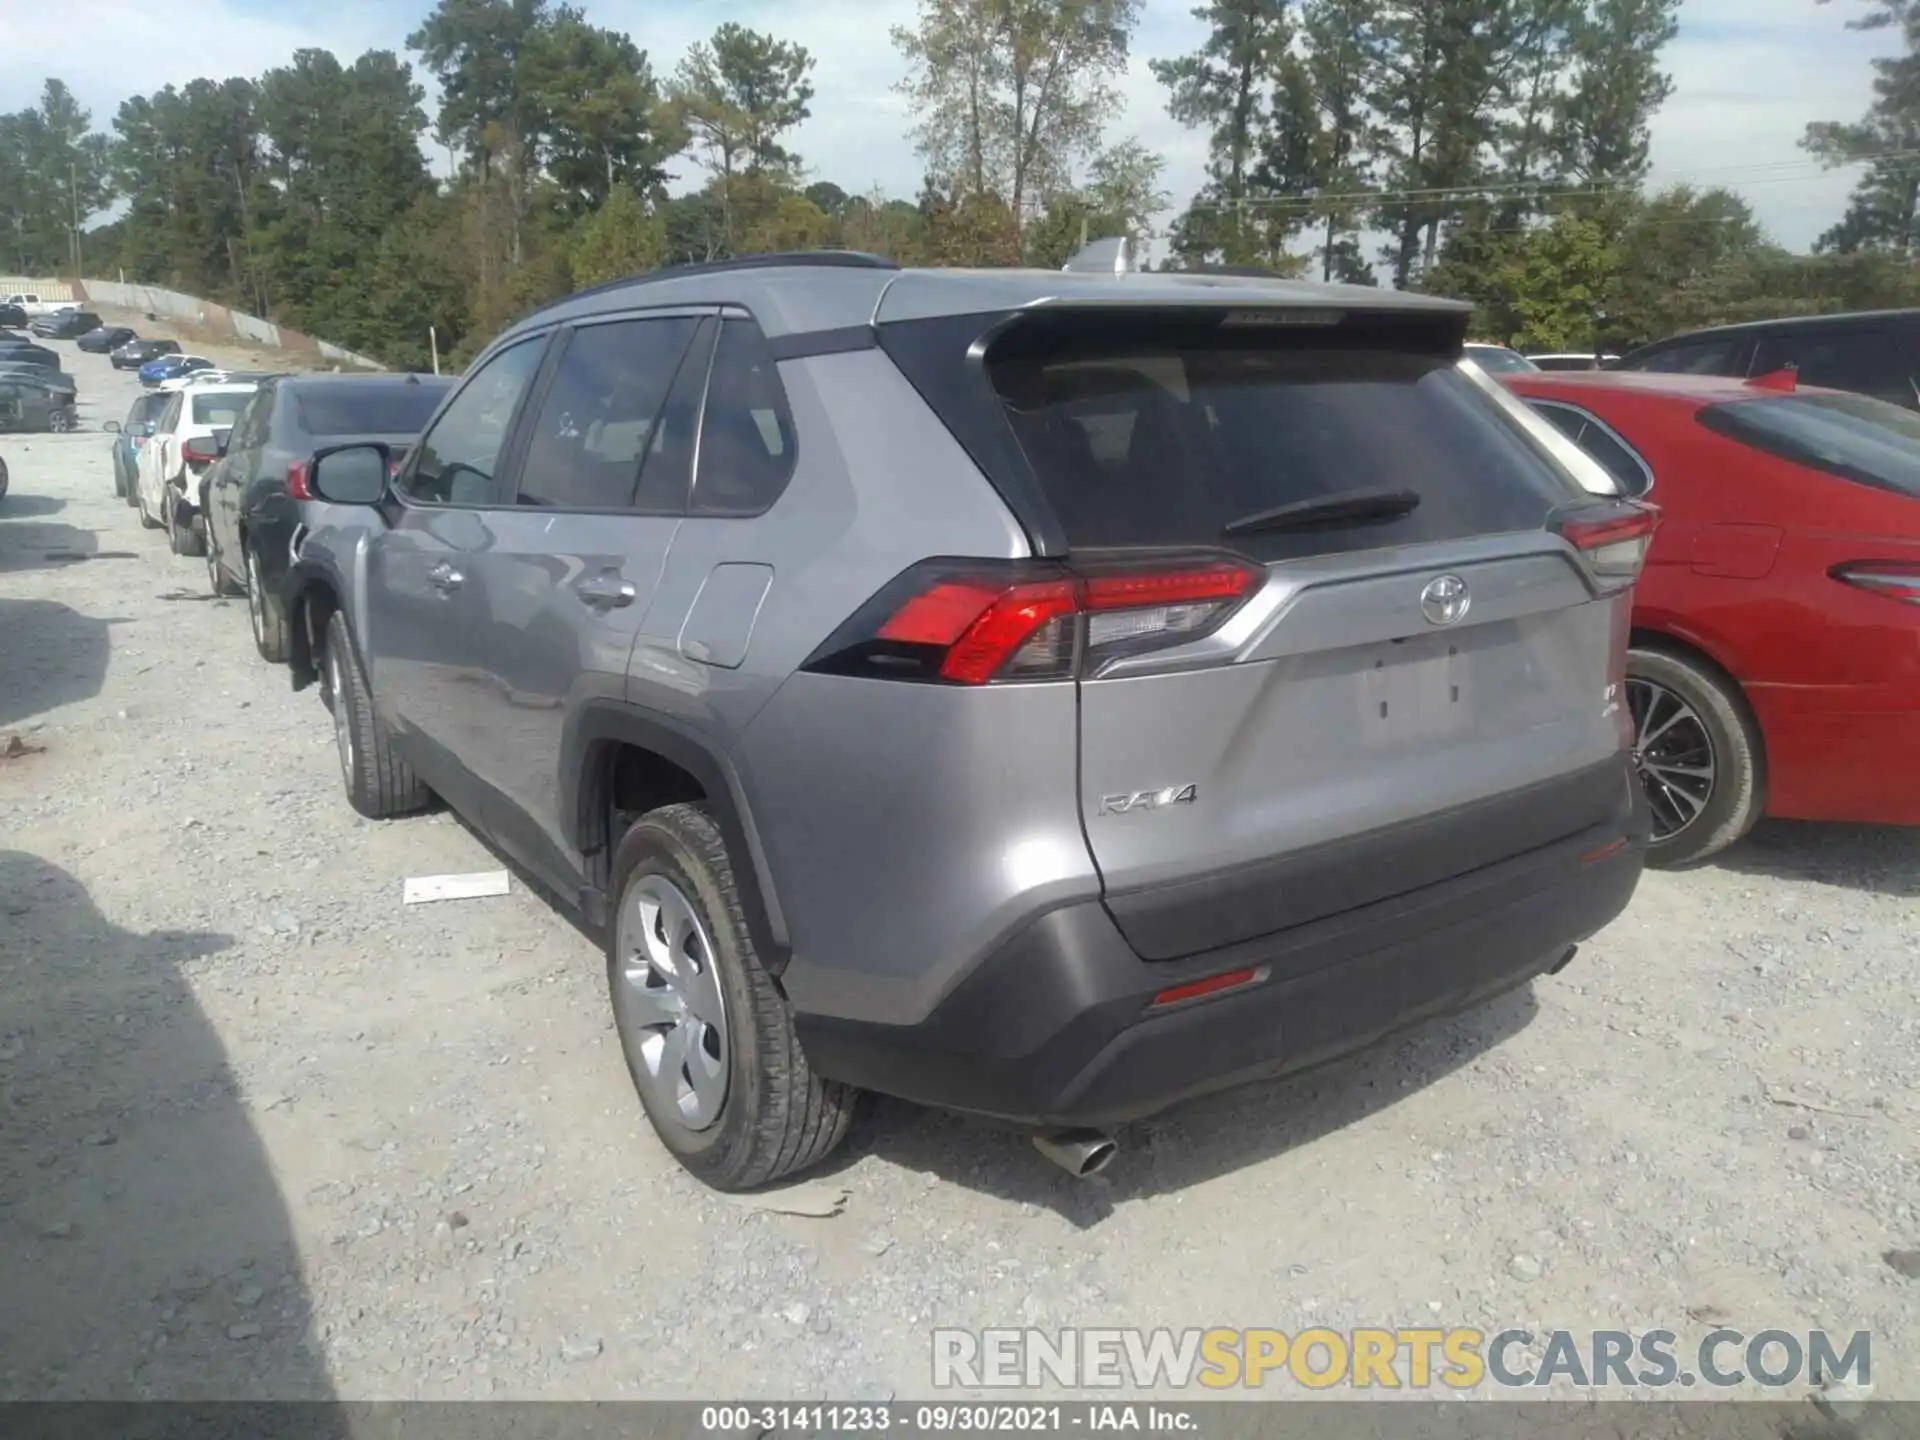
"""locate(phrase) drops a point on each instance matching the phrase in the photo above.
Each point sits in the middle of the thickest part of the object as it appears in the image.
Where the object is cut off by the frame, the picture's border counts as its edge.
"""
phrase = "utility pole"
(73, 194)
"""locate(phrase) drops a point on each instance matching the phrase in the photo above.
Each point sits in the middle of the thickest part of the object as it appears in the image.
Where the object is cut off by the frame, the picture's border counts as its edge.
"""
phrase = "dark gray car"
(1045, 695)
(254, 496)
(28, 404)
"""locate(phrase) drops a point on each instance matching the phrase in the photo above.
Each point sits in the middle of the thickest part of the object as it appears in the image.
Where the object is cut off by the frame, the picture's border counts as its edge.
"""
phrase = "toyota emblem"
(1445, 600)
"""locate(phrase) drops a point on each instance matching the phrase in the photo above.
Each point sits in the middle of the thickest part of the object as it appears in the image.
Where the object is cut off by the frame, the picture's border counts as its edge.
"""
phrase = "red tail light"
(297, 473)
(1612, 537)
(972, 622)
(1896, 579)
(198, 452)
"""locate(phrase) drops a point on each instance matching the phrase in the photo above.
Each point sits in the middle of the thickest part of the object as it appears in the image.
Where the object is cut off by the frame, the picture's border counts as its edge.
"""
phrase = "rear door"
(1407, 693)
(568, 563)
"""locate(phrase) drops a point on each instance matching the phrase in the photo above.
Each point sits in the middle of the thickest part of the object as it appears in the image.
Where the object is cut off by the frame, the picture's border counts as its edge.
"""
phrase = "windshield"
(1852, 436)
(379, 407)
(1498, 360)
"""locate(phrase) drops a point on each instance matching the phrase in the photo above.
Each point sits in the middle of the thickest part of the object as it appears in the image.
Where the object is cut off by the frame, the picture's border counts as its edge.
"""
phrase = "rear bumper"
(1057, 1027)
(1842, 754)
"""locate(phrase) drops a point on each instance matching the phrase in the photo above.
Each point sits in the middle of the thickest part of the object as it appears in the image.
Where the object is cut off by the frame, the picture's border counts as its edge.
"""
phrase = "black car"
(29, 405)
(65, 324)
(13, 315)
(53, 379)
(28, 353)
(1874, 352)
(251, 500)
(135, 353)
(105, 338)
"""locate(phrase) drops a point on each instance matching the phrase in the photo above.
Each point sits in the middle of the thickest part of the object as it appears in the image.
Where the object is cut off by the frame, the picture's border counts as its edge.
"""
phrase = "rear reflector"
(1601, 852)
(297, 474)
(1896, 579)
(974, 622)
(1613, 538)
(1212, 985)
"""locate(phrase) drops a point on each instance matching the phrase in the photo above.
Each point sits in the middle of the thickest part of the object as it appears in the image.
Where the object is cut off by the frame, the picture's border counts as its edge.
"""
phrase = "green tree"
(1222, 88)
(621, 238)
(1011, 95)
(55, 174)
(1885, 204)
(737, 95)
(602, 116)
(1616, 86)
(1341, 44)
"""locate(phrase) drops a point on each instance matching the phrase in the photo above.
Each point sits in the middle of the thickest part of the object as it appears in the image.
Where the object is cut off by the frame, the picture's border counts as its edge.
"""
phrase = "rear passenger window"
(600, 421)
(1708, 357)
(746, 437)
(1867, 362)
(1630, 472)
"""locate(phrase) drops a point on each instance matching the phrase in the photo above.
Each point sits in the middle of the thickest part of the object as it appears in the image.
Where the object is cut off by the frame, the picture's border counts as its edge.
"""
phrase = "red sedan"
(1775, 662)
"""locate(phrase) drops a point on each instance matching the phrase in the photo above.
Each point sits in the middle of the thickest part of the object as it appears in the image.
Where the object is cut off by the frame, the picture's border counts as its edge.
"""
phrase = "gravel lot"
(264, 1132)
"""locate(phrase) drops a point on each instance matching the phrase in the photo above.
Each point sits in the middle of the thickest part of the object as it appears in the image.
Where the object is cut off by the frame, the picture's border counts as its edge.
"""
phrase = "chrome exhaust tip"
(1078, 1152)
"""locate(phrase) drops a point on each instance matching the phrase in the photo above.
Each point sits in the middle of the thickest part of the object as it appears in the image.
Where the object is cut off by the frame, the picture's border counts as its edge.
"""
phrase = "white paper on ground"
(422, 888)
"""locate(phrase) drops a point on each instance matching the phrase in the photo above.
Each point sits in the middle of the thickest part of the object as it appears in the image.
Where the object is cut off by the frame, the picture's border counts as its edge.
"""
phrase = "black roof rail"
(828, 259)
(1251, 272)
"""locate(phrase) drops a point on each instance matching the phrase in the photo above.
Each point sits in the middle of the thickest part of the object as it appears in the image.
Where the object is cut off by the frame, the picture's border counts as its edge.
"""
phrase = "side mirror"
(220, 439)
(350, 475)
(112, 427)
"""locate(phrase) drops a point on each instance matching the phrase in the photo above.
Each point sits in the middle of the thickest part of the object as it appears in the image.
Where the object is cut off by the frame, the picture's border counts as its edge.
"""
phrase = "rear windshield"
(218, 410)
(382, 408)
(1156, 445)
(1852, 436)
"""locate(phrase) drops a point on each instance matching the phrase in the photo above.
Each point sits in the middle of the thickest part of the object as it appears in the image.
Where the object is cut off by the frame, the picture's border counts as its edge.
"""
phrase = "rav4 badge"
(1148, 799)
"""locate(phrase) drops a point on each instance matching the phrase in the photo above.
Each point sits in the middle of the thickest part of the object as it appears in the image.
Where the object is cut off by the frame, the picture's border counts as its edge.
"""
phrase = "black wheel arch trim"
(596, 724)
(302, 579)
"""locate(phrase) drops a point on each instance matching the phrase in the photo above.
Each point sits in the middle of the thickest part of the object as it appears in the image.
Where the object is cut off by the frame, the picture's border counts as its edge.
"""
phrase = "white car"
(189, 382)
(181, 450)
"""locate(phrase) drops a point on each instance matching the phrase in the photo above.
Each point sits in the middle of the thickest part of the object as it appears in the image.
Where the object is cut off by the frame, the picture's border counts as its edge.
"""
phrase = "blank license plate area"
(1415, 689)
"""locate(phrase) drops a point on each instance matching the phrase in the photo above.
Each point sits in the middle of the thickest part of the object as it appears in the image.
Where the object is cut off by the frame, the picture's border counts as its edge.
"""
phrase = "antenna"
(1111, 256)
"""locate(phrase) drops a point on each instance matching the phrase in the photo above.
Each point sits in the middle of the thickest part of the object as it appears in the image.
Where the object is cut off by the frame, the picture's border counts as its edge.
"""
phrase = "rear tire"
(1689, 717)
(269, 621)
(183, 535)
(777, 1116)
(380, 785)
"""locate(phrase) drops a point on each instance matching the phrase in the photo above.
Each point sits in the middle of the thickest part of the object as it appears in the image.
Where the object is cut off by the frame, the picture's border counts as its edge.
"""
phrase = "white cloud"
(1749, 75)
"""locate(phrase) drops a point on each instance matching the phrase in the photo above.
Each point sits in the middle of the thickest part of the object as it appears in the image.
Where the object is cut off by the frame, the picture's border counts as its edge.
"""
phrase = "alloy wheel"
(342, 722)
(255, 600)
(1674, 754)
(675, 1009)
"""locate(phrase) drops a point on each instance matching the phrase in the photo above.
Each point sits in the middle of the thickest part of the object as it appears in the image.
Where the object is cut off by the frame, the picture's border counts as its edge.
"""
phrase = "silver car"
(1044, 695)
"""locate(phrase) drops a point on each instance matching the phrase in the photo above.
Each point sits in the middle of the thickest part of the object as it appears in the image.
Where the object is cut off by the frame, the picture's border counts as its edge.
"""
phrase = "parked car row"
(1051, 695)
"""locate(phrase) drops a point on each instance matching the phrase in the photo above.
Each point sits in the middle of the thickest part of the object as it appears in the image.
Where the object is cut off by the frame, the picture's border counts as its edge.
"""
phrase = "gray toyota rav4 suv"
(1044, 695)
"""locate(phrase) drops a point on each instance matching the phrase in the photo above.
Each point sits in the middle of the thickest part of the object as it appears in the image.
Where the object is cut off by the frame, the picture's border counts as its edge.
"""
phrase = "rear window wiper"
(1358, 507)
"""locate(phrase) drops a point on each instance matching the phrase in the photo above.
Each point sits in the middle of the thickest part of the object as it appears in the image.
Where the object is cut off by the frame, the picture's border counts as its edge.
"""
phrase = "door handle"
(609, 589)
(444, 577)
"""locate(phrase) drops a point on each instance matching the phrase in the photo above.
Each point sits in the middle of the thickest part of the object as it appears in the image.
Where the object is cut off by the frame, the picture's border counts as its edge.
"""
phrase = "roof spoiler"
(1111, 256)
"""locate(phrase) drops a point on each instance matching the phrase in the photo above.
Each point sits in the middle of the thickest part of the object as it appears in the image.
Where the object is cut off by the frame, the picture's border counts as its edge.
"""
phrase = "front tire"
(380, 785)
(269, 621)
(708, 1038)
(1699, 753)
(119, 476)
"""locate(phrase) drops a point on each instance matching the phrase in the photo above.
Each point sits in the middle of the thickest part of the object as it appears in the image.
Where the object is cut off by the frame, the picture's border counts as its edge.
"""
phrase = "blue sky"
(1749, 75)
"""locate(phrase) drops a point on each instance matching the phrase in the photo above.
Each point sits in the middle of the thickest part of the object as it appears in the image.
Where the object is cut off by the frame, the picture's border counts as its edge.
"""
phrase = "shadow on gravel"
(145, 1250)
(50, 655)
(1200, 1140)
(30, 507)
(28, 544)
(1882, 858)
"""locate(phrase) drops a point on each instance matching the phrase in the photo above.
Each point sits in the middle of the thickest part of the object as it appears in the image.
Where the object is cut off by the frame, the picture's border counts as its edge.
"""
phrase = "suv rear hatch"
(1337, 639)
